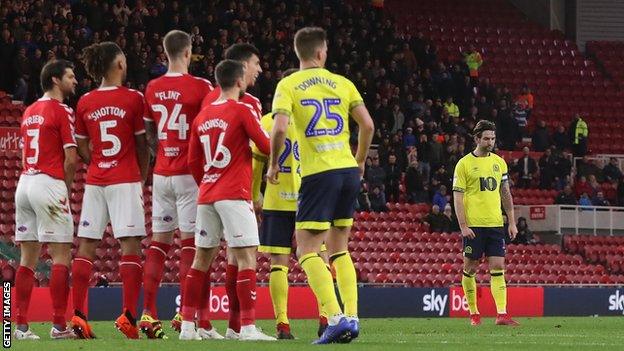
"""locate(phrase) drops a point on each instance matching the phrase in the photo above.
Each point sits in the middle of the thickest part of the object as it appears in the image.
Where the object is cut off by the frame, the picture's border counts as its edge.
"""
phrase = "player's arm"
(365, 134)
(459, 188)
(69, 166)
(194, 159)
(83, 149)
(507, 200)
(150, 135)
(258, 163)
(142, 154)
(278, 137)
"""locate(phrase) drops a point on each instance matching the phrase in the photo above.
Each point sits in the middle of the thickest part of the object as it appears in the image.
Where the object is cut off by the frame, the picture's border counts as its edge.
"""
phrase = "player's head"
(485, 135)
(311, 45)
(105, 60)
(249, 56)
(58, 74)
(178, 46)
(230, 74)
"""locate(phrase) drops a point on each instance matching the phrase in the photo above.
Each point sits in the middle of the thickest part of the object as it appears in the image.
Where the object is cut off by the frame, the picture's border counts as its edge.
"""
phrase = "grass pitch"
(547, 333)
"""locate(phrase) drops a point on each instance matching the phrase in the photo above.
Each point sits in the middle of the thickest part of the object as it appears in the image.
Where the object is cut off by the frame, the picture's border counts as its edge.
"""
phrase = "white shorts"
(174, 203)
(42, 211)
(233, 220)
(121, 204)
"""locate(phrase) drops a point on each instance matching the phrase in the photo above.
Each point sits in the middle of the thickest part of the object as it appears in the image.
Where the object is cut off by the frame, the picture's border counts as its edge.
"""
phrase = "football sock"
(320, 280)
(231, 275)
(81, 274)
(187, 255)
(154, 268)
(499, 289)
(469, 283)
(204, 305)
(278, 285)
(194, 281)
(131, 273)
(59, 291)
(347, 281)
(24, 282)
(246, 291)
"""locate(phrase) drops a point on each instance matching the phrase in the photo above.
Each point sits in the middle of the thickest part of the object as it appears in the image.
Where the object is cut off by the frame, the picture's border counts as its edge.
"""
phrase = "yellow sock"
(347, 281)
(278, 286)
(499, 289)
(469, 283)
(320, 280)
(321, 310)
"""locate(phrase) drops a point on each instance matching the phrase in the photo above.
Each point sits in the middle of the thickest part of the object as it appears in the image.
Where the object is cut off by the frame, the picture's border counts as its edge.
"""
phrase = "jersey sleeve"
(81, 128)
(66, 124)
(142, 113)
(283, 100)
(355, 99)
(459, 178)
(254, 129)
(504, 170)
(194, 159)
(148, 111)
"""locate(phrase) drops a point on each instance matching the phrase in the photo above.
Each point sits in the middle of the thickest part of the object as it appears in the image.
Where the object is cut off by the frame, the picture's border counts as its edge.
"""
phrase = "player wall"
(105, 303)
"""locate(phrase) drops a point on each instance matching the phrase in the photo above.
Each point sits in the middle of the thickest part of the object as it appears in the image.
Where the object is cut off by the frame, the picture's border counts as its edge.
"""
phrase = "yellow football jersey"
(480, 178)
(282, 196)
(318, 102)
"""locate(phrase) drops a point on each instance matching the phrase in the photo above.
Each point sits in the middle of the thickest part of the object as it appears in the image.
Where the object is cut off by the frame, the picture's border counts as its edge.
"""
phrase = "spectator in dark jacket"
(599, 199)
(393, 179)
(547, 169)
(525, 236)
(561, 138)
(376, 175)
(415, 184)
(566, 197)
(540, 139)
(612, 170)
(526, 167)
(438, 222)
(377, 200)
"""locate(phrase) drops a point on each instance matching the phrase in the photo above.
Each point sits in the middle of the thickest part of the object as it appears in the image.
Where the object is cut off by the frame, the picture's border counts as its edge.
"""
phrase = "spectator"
(547, 169)
(409, 139)
(586, 167)
(441, 177)
(540, 140)
(440, 198)
(566, 197)
(393, 179)
(563, 165)
(376, 174)
(593, 183)
(415, 184)
(448, 212)
(585, 201)
(561, 139)
(612, 170)
(526, 167)
(521, 117)
(363, 203)
(599, 199)
(378, 200)
(399, 118)
(424, 153)
(582, 187)
(474, 61)
(438, 222)
(526, 100)
(451, 108)
(525, 236)
(436, 149)
(578, 137)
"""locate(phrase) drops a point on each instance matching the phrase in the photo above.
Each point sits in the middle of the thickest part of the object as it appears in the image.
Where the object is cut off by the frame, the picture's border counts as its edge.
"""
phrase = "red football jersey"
(47, 129)
(173, 102)
(247, 99)
(111, 117)
(219, 151)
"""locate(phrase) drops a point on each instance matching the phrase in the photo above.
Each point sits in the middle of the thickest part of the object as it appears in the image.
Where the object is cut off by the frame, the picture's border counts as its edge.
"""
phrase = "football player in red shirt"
(220, 161)
(110, 118)
(249, 56)
(42, 212)
(173, 102)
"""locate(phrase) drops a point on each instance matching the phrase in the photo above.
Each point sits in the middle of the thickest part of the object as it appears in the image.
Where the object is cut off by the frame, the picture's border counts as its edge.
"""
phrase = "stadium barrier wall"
(374, 302)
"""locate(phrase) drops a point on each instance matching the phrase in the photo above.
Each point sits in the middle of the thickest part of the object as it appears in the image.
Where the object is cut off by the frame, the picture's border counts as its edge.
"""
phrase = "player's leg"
(337, 245)
(125, 204)
(164, 223)
(495, 252)
(276, 236)
(207, 240)
(322, 313)
(26, 235)
(231, 275)
(93, 221)
(59, 287)
(473, 251)
(240, 230)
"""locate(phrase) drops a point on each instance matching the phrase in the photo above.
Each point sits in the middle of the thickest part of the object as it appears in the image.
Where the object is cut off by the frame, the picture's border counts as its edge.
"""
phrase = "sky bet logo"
(433, 302)
(616, 302)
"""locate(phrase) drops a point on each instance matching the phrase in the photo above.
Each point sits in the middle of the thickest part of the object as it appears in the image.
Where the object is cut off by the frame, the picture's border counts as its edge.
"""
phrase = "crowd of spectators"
(424, 109)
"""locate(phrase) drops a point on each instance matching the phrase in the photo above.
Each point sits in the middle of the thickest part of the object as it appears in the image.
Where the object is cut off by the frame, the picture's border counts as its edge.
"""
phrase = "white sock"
(353, 318)
(247, 328)
(188, 326)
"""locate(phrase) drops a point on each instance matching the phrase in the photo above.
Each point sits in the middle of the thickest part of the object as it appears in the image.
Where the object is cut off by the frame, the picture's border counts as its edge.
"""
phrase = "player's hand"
(257, 205)
(513, 231)
(362, 167)
(272, 173)
(467, 233)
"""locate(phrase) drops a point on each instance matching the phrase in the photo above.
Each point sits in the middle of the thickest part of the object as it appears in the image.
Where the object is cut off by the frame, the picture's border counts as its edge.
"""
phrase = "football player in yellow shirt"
(319, 104)
(480, 183)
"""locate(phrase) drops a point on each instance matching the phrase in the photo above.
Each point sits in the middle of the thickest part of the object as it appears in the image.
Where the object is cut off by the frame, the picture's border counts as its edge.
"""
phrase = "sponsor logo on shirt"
(106, 164)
